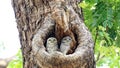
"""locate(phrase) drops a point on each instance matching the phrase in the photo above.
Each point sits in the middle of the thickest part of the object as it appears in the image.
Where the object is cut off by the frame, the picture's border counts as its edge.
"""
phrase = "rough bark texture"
(35, 24)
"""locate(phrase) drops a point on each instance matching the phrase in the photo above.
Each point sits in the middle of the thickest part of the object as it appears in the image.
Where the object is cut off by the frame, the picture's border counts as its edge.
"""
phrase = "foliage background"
(102, 17)
(17, 61)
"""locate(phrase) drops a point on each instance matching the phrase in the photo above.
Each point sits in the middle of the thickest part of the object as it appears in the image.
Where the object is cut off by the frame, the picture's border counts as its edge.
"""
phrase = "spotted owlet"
(51, 45)
(65, 46)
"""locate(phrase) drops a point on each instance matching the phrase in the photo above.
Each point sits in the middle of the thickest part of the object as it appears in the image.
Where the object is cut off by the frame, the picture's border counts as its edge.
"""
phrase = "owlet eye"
(54, 39)
(49, 39)
(69, 39)
(65, 39)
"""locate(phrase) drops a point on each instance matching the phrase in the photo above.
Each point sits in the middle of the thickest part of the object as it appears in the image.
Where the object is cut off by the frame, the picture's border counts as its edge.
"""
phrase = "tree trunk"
(36, 22)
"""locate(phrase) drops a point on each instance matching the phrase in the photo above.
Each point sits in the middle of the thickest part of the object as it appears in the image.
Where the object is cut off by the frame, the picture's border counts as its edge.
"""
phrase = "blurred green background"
(102, 17)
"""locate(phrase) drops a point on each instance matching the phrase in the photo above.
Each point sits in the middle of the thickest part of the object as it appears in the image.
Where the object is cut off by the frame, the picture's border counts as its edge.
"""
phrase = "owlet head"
(52, 40)
(66, 39)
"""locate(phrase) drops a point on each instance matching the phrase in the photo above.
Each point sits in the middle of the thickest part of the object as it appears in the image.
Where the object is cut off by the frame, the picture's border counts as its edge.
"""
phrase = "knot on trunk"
(83, 55)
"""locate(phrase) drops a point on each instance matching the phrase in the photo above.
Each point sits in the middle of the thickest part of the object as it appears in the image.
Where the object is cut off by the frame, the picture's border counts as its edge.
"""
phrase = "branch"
(96, 35)
(99, 57)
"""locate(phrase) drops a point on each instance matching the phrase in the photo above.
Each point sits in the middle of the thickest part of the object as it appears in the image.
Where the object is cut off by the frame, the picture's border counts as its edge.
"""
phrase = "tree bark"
(35, 24)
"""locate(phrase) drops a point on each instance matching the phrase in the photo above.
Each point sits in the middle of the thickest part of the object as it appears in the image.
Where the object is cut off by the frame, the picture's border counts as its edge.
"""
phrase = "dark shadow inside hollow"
(76, 38)
(51, 33)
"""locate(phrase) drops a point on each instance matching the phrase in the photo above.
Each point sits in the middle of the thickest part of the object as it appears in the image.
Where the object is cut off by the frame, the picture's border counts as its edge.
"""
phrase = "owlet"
(51, 45)
(65, 46)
